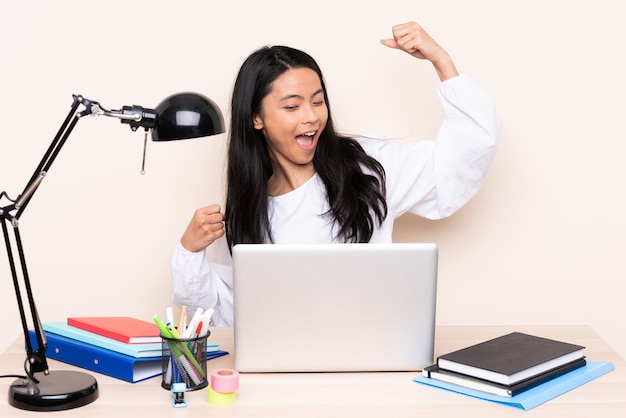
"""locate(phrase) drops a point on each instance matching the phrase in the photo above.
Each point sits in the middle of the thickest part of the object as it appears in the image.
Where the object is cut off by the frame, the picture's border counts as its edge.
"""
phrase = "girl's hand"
(413, 39)
(206, 225)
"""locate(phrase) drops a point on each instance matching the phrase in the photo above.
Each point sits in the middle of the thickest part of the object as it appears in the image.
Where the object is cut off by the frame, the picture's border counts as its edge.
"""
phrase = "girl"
(293, 179)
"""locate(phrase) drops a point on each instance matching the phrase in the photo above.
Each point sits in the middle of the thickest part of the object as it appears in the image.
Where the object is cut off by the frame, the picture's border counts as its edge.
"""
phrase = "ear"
(257, 121)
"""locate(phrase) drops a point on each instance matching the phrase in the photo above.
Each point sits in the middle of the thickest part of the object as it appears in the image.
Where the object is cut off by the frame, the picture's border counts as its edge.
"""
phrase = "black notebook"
(511, 358)
(434, 372)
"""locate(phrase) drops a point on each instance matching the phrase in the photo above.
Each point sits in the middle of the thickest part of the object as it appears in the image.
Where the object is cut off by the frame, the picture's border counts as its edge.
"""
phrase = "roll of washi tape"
(225, 380)
(218, 398)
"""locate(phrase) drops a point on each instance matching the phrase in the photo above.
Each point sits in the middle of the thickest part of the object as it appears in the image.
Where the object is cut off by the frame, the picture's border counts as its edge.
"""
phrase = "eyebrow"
(298, 96)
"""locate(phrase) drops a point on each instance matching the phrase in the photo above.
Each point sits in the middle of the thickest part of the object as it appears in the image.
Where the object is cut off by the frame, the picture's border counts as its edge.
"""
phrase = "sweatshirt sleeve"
(200, 284)
(435, 178)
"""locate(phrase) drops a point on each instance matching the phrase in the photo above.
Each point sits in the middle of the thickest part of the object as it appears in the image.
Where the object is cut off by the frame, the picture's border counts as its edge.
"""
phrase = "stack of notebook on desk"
(516, 369)
(122, 347)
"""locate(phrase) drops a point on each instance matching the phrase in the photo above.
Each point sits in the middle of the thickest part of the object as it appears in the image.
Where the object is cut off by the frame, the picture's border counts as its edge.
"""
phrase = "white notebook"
(334, 307)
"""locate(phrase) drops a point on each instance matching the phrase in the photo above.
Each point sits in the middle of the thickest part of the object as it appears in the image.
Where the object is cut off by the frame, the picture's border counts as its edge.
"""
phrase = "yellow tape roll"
(219, 398)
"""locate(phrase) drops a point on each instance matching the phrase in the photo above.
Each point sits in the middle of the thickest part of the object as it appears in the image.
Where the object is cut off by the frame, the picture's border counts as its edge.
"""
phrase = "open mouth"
(306, 140)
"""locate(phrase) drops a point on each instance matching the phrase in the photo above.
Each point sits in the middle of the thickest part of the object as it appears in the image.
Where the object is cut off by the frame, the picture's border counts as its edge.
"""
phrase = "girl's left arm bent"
(412, 38)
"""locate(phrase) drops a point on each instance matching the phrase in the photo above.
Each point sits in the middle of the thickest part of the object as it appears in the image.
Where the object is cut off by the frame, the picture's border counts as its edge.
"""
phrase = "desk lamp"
(180, 116)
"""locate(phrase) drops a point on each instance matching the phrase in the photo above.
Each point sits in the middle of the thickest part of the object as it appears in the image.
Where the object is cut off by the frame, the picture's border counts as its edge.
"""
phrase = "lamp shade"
(187, 115)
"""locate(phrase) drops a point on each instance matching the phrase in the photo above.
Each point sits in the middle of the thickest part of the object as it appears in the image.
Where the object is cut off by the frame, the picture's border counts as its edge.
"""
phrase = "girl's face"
(292, 117)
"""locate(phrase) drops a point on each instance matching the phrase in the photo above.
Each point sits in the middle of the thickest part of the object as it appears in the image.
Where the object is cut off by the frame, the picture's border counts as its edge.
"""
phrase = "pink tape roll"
(225, 380)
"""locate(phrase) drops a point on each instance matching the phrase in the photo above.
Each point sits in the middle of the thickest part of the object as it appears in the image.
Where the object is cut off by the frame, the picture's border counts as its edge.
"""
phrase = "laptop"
(334, 307)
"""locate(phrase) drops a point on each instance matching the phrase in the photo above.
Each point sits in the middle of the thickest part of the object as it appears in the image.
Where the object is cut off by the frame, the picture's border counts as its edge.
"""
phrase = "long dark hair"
(356, 199)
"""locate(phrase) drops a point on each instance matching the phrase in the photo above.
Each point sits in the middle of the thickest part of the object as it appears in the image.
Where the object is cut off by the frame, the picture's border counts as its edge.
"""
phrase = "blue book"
(133, 350)
(101, 360)
(537, 395)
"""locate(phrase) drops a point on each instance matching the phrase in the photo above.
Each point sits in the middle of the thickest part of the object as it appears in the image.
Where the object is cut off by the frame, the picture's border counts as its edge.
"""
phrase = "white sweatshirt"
(432, 178)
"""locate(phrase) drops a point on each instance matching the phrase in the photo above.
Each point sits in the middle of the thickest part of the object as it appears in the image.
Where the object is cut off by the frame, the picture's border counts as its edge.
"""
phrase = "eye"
(318, 100)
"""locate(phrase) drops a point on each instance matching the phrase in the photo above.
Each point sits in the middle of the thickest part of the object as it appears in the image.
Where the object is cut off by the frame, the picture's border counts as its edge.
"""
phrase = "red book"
(122, 328)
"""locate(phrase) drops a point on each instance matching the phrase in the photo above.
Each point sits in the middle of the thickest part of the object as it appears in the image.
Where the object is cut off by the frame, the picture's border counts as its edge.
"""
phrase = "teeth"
(309, 134)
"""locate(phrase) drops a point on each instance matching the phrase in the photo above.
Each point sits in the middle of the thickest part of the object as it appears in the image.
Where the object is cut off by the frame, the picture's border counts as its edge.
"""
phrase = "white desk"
(344, 395)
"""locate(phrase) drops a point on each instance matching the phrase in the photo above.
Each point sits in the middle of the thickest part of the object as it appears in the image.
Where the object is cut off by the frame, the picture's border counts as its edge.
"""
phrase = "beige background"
(542, 243)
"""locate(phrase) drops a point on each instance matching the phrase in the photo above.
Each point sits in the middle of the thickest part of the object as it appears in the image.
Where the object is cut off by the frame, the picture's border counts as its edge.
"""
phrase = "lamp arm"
(35, 359)
(48, 158)
(32, 359)
(135, 116)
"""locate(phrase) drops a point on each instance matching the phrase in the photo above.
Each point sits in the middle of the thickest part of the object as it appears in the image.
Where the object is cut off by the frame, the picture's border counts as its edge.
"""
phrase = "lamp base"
(56, 391)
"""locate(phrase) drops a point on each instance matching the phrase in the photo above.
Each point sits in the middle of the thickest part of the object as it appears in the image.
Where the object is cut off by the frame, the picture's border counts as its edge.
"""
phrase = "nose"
(309, 115)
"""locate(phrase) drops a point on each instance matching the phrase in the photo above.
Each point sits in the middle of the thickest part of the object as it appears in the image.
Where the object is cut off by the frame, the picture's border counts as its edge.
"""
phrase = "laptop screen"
(334, 307)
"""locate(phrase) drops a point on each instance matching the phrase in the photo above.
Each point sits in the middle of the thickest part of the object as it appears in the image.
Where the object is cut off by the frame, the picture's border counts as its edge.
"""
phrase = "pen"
(192, 325)
(199, 329)
(168, 372)
(182, 320)
(165, 332)
(199, 343)
(169, 315)
(206, 319)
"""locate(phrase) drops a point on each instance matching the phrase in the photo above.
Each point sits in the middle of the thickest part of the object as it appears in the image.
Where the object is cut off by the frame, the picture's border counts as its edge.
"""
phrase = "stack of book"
(507, 365)
(514, 367)
(122, 347)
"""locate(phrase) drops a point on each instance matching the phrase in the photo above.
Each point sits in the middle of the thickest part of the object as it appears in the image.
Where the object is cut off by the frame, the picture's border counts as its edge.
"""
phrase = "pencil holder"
(184, 360)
